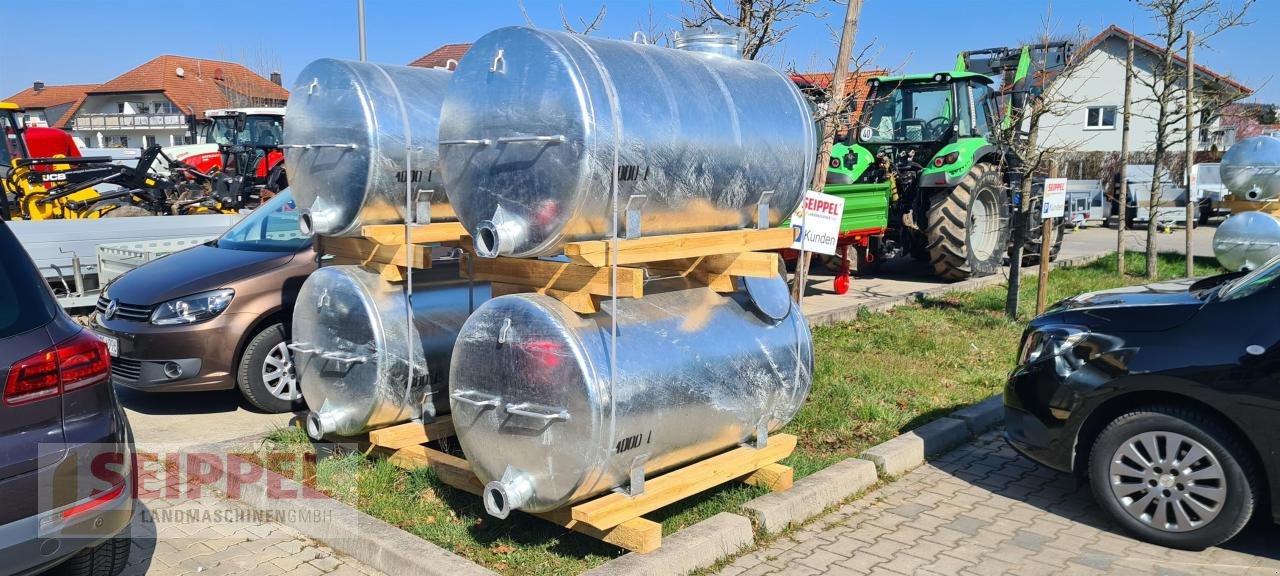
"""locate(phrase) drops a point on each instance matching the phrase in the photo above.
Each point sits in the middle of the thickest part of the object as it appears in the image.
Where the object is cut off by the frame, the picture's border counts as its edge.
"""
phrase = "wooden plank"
(580, 302)
(450, 469)
(722, 283)
(775, 477)
(433, 233)
(412, 433)
(368, 252)
(755, 264)
(612, 509)
(653, 248)
(563, 276)
(637, 535)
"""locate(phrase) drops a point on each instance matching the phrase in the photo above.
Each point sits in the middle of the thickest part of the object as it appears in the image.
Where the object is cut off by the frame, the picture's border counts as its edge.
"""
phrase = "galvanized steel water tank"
(697, 372)
(1251, 168)
(535, 121)
(355, 134)
(1247, 240)
(353, 348)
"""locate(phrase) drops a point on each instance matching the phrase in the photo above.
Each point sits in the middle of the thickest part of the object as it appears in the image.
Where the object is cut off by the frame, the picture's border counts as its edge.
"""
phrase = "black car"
(1166, 397)
(66, 487)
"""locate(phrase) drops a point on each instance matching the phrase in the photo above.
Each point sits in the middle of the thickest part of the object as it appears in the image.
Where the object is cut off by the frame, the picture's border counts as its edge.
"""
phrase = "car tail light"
(75, 363)
(95, 501)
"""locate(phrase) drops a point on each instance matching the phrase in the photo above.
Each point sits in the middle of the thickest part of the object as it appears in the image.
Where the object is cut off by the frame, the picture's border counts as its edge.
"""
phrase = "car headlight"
(194, 308)
(1050, 342)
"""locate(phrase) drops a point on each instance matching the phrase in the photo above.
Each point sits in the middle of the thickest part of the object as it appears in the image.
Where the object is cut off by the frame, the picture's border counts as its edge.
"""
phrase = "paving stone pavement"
(172, 548)
(982, 509)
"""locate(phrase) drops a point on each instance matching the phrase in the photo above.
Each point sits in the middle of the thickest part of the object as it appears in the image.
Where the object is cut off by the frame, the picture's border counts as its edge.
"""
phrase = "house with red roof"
(163, 101)
(446, 56)
(1095, 88)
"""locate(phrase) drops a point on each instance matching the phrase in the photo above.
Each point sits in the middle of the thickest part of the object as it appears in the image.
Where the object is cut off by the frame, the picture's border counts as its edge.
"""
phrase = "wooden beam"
(652, 248)
(412, 433)
(615, 508)
(755, 264)
(433, 233)
(580, 302)
(775, 477)
(563, 276)
(635, 534)
(369, 252)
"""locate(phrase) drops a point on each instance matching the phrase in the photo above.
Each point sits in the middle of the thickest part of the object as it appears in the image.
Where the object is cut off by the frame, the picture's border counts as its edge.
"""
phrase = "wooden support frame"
(412, 433)
(615, 517)
(599, 253)
(433, 233)
(574, 284)
(367, 252)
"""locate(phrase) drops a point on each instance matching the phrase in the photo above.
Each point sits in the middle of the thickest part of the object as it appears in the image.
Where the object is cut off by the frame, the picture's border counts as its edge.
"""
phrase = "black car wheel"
(106, 559)
(266, 376)
(1174, 477)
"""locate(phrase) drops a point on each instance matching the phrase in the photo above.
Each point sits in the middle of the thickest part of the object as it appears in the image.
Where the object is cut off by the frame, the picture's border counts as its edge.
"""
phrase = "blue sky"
(89, 41)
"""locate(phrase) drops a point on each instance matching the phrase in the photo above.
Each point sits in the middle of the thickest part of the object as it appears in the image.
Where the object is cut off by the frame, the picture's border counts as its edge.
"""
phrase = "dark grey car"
(66, 486)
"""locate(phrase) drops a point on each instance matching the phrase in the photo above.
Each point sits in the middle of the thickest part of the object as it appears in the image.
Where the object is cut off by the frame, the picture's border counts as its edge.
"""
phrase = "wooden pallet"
(614, 517)
(383, 248)
(711, 258)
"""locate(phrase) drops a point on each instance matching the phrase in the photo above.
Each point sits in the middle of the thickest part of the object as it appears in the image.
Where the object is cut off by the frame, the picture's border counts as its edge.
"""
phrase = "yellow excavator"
(44, 177)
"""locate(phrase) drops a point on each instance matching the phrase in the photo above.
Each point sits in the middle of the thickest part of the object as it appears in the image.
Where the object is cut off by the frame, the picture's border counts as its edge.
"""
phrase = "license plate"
(113, 343)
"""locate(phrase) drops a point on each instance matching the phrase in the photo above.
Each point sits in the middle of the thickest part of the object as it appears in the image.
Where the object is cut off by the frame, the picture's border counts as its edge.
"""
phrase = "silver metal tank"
(533, 120)
(354, 133)
(1247, 240)
(353, 350)
(1251, 168)
(697, 372)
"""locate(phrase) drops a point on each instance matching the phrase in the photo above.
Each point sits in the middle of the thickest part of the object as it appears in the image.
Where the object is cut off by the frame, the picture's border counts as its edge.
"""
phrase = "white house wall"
(1099, 81)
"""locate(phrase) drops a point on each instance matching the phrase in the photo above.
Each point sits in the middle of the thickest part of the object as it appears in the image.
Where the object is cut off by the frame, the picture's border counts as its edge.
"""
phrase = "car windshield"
(273, 227)
(907, 112)
(259, 129)
(1251, 283)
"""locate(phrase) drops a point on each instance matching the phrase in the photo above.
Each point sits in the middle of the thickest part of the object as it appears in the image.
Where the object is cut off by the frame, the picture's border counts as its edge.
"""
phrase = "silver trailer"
(71, 254)
(358, 360)
(538, 126)
(359, 138)
(550, 409)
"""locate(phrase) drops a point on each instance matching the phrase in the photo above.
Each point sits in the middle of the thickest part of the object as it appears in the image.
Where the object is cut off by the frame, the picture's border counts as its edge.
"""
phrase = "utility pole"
(360, 25)
(1190, 139)
(838, 81)
(1046, 246)
(1123, 193)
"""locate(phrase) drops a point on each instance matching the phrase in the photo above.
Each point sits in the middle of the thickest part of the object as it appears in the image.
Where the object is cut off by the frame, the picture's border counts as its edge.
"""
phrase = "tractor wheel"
(1031, 250)
(968, 226)
(111, 210)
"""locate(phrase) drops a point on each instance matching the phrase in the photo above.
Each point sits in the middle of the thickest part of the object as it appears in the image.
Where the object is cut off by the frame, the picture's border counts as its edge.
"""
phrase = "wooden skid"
(370, 253)
(433, 233)
(653, 248)
(615, 517)
(412, 433)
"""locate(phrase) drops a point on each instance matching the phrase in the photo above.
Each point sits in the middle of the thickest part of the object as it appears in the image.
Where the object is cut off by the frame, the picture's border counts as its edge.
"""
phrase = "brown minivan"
(215, 316)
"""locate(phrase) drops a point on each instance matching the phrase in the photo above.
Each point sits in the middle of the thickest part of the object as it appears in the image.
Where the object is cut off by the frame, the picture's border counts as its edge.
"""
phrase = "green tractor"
(931, 155)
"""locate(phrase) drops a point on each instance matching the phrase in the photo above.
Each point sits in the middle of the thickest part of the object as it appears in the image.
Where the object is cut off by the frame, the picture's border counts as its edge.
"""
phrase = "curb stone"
(810, 495)
(982, 416)
(896, 455)
(697, 546)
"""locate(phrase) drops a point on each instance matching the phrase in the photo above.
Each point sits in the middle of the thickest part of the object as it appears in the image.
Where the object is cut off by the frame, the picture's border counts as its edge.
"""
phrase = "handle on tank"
(310, 146)
(545, 413)
(554, 138)
(302, 347)
(487, 402)
(343, 357)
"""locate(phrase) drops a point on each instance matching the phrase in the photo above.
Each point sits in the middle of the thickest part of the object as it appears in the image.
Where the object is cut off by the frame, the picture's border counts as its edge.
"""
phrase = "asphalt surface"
(208, 417)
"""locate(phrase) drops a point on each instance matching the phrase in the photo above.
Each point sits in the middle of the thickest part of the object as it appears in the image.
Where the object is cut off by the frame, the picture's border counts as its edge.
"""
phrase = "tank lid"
(712, 38)
(770, 296)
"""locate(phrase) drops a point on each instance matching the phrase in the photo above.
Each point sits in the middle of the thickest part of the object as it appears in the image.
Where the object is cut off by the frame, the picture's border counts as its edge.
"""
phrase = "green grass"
(874, 378)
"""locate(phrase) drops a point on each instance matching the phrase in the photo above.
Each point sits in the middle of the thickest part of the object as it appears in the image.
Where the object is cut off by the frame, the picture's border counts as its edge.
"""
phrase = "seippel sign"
(817, 223)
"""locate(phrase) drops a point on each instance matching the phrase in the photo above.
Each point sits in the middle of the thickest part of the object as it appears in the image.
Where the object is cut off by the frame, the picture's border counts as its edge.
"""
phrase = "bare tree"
(584, 26)
(765, 22)
(1163, 88)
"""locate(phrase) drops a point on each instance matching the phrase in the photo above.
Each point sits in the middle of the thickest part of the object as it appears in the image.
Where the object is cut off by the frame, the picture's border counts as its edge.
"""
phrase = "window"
(982, 103)
(148, 141)
(1101, 117)
(273, 227)
(162, 107)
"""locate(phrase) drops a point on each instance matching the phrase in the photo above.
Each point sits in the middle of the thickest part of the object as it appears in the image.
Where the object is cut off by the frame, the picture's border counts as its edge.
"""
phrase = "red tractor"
(241, 162)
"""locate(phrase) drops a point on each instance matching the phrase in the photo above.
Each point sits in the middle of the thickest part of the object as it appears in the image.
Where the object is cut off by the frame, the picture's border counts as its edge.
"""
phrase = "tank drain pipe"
(512, 492)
